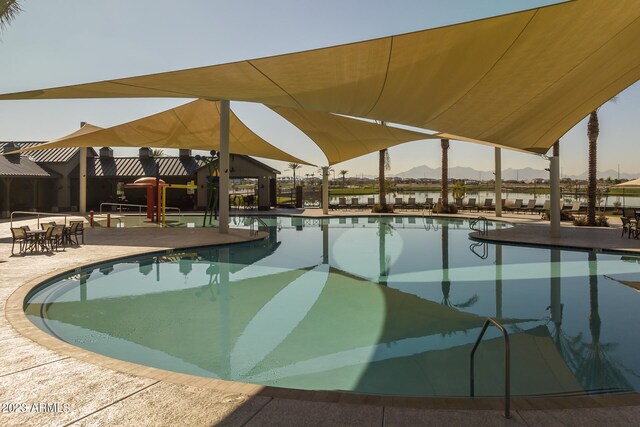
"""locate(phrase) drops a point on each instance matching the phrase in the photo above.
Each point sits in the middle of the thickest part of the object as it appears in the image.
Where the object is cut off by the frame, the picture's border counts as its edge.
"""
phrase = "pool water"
(371, 305)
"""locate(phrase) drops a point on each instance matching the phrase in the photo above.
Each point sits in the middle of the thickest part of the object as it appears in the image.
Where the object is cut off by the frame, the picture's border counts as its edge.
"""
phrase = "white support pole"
(325, 190)
(223, 226)
(498, 167)
(82, 202)
(554, 206)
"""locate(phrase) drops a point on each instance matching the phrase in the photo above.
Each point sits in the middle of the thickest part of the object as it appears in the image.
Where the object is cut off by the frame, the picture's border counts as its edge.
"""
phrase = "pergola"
(518, 81)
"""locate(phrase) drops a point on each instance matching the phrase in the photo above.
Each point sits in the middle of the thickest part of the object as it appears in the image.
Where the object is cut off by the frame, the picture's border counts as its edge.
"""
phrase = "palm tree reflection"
(446, 283)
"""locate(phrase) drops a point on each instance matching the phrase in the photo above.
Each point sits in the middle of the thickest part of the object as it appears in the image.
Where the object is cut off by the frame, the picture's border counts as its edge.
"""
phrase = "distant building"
(48, 180)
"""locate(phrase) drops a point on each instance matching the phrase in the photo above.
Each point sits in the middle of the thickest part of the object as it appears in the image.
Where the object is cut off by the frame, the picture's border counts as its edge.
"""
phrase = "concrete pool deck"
(44, 381)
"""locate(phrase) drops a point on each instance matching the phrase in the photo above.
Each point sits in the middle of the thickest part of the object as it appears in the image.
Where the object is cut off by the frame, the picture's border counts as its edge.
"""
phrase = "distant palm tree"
(343, 173)
(156, 152)
(593, 130)
(444, 184)
(294, 167)
(9, 9)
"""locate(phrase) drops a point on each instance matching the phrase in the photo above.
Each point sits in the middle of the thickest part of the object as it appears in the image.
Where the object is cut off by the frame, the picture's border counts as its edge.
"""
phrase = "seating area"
(49, 238)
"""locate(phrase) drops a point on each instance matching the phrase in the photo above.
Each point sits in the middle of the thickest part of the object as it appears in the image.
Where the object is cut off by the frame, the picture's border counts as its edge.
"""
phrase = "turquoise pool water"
(371, 305)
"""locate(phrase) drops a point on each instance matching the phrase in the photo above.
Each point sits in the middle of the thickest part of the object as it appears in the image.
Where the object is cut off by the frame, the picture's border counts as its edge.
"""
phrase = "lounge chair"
(371, 201)
(429, 203)
(545, 207)
(575, 207)
(342, 203)
(411, 204)
(515, 207)
(399, 203)
(471, 204)
(355, 203)
(531, 206)
(487, 206)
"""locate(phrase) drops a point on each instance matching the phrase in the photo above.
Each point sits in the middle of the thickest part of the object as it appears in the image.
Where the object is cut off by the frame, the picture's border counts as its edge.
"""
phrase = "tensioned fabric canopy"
(195, 125)
(519, 80)
(632, 183)
(342, 138)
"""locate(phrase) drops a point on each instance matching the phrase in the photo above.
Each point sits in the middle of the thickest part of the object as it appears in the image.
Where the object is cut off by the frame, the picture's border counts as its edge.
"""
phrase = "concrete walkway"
(46, 382)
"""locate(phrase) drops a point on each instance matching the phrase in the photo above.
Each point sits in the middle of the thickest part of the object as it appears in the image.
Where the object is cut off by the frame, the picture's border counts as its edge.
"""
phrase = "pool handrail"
(252, 221)
(483, 228)
(37, 214)
(507, 364)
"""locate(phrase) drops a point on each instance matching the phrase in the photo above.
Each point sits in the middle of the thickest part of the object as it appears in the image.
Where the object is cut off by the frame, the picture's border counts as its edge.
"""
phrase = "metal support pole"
(498, 167)
(82, 202)
(325, 190)
(554, 206)
(223, 220)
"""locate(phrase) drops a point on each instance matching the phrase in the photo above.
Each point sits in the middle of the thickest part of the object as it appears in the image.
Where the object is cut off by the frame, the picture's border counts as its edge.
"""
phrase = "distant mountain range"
(526, 174)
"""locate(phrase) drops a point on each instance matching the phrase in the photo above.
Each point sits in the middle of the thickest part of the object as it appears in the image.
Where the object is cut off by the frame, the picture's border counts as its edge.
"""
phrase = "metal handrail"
(254, 219)
(38, 214)
(485, 249)
(140, 207)
(484, 227)
(507, 364)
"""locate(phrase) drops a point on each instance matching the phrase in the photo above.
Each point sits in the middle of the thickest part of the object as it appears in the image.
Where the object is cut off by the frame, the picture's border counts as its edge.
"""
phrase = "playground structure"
(157, 196)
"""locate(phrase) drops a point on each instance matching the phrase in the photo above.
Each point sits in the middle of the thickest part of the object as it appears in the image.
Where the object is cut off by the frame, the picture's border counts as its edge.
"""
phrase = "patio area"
(69, 385)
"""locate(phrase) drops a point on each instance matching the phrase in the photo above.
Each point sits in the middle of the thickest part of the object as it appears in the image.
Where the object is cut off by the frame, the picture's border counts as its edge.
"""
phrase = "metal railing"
(140, 207)
(480, 224)
(38, 214)
(252, 225)
(485, 249)
(507, 364)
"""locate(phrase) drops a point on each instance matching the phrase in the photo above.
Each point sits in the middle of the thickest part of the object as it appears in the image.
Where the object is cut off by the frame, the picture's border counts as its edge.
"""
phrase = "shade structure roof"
(519, 80)
(631, 184)
(342, 138)
(195, 125)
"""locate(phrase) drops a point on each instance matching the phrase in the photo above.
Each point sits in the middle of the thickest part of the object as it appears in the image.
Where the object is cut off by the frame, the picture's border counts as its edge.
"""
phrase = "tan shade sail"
(519, 80)
(195, 125)
(342, 138)
(634, 183)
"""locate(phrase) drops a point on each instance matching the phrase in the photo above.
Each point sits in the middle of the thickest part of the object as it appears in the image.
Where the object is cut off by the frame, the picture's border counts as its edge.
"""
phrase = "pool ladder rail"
(253, 230)
(480, 224)
(507, 364)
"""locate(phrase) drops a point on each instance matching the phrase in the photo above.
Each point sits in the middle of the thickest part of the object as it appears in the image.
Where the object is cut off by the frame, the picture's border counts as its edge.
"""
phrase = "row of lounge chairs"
(516, 206)
(50, 238)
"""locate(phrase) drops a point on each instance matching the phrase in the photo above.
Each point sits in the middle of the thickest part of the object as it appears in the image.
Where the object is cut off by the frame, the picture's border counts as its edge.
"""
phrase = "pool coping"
(14, 312)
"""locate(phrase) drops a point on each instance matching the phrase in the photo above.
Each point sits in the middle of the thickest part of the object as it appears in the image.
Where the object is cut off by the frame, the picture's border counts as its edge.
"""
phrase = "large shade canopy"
(519, 80)
(342, 138)
(195, 125)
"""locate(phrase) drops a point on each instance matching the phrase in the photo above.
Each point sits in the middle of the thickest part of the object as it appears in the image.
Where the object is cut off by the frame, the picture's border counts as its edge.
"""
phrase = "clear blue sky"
(68, 42)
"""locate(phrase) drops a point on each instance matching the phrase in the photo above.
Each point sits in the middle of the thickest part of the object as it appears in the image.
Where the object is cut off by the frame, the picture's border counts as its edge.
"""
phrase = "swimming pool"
(374, 305)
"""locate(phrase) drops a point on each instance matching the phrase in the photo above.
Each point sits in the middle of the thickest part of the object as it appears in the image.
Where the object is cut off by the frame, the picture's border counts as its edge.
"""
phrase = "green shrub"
(450, 208)
(564, 216)
(601, 221)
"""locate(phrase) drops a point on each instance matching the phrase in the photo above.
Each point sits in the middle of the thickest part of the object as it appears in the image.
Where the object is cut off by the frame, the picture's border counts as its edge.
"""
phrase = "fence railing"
(38, 215)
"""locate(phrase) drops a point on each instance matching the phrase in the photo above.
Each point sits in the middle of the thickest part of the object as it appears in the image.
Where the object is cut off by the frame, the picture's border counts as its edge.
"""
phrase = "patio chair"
(20, 236)
(54, 237)
(79, 230)
(44, 225)
(629, 227)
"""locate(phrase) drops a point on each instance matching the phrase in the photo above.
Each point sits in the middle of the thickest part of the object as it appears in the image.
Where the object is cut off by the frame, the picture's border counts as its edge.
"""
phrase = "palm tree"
(384, 164)
(343, 173)
(593, 129)
(9, 9)
(157, 152)
(294, 167)
(444, 192)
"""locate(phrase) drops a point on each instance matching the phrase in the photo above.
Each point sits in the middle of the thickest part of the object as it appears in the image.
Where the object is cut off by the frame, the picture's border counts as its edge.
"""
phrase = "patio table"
(38, 243)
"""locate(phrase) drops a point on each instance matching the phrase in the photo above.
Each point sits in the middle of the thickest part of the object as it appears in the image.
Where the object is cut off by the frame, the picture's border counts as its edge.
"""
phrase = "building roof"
(137, 167)
(22, 167)
(55, 155)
